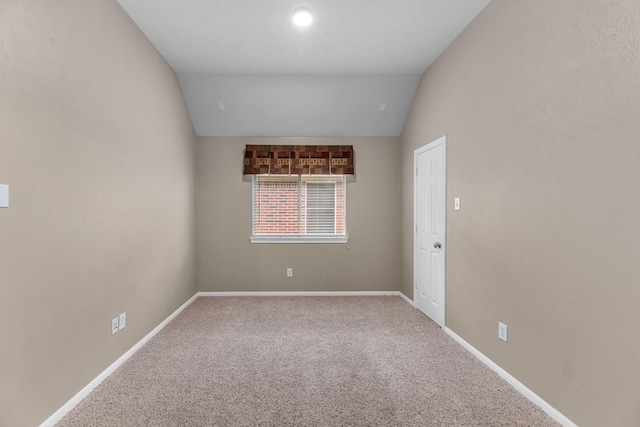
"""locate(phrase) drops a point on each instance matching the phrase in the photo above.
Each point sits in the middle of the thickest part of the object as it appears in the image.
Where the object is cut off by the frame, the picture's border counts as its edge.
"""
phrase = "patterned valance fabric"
(299, 160)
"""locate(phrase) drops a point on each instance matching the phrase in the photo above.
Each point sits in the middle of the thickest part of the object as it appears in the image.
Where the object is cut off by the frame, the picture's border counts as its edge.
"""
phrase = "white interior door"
(430, 226)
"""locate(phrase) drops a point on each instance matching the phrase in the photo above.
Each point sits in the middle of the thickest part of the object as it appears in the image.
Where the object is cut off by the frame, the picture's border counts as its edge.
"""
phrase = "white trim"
(534, 398)
(406, 299)
(297, 238)
(301, 294)
(57, 416)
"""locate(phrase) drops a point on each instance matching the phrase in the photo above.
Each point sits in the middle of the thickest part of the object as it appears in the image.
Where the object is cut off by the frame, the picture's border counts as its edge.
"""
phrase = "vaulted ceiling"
(246, 70)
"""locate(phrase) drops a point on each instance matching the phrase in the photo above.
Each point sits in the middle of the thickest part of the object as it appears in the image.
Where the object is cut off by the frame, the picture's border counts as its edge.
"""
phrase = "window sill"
(299, 239)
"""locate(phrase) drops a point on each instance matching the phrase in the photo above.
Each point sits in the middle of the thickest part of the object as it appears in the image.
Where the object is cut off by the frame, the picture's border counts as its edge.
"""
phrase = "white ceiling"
(274, 79)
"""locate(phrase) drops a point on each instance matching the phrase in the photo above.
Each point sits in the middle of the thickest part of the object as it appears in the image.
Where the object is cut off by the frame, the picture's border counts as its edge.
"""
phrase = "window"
(299, 209)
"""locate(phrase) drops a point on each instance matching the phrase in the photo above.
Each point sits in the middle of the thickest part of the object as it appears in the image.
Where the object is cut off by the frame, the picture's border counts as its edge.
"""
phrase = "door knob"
(437, 245)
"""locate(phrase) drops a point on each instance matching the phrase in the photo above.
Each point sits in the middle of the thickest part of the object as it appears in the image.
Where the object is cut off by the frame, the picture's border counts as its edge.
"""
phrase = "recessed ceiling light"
(302, 17)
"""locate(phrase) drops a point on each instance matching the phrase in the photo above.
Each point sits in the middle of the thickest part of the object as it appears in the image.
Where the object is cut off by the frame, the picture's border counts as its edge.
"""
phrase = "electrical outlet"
(122, 321)
(502, 331)
(114, 326)
(289, 272)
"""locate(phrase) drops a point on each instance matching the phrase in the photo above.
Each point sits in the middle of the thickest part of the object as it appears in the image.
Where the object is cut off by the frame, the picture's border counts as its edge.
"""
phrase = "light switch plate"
(456, 203)
(4, 196)
(502, 331)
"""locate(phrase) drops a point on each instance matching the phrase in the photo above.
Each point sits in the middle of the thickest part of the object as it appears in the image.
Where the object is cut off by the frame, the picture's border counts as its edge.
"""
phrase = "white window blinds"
(321, 208)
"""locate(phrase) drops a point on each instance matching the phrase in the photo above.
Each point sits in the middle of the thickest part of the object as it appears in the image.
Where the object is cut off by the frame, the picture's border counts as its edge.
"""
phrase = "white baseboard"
(406, 299)
(300, 294)
(309, 293)
(537, 400)
(57, 416)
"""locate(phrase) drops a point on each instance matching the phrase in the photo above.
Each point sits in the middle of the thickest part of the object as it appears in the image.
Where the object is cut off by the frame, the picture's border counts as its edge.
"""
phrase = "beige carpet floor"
(303, 361)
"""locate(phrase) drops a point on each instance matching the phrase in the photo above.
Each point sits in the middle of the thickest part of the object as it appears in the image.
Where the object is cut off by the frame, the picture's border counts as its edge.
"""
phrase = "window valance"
(299, 160)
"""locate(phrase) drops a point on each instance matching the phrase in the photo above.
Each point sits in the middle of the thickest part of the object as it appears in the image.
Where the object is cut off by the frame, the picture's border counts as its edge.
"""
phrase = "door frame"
(437, 142)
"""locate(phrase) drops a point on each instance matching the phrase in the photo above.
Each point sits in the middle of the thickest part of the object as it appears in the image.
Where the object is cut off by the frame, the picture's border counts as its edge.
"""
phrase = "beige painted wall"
(540, 101)
(98, 150)
(227, 261)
